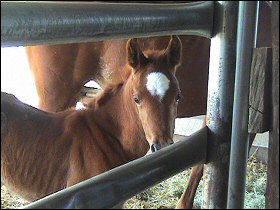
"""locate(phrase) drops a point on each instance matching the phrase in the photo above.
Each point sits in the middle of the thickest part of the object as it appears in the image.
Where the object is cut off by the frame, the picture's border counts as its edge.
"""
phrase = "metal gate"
(231, 27)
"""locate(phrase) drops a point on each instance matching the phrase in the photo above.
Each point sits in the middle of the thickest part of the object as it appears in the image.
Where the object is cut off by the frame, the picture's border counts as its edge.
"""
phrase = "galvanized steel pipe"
(220, 104)
(239, 145)
(41, 23)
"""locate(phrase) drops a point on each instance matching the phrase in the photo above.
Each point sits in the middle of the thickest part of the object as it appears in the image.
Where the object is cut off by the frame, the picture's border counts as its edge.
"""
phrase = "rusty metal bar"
(38, 23)
(220, 104)
(119, 184)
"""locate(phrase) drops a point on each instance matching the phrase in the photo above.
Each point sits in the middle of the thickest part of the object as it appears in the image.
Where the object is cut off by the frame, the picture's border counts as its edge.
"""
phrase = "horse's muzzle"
(155, 147)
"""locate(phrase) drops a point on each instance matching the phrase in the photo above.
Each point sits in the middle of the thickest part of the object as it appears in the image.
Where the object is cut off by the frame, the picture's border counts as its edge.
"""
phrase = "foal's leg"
(187, 198)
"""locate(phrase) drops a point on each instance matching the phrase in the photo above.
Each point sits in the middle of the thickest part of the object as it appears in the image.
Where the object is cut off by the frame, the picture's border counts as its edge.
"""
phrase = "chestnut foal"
(43, 152)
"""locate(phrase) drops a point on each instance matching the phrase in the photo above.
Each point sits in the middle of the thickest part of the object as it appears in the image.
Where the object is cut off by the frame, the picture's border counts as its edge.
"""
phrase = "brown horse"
(43, 152)
(60, 71)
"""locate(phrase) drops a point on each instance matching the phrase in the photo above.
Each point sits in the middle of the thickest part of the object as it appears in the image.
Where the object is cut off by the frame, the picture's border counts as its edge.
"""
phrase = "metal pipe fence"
(41, 23)
(220, 104)
(239, 139)
(38, 23)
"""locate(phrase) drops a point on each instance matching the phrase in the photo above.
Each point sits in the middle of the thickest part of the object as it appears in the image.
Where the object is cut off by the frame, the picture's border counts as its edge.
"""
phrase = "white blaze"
(157, 84)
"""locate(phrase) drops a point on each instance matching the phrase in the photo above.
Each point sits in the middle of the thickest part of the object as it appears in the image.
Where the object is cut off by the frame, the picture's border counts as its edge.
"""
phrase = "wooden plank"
(272, 191)
(260, 86)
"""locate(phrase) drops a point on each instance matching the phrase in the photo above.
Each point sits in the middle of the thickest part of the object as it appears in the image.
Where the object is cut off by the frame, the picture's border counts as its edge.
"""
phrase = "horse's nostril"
(171, 143)
(154, 148)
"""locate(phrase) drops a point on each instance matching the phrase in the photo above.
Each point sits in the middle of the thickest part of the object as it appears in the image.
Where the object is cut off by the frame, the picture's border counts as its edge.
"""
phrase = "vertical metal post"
(272, 189)
(239, 145)
(220, 103)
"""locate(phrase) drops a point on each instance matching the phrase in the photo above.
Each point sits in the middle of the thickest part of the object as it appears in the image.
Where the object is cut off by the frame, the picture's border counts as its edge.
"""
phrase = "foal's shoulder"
(76, 120)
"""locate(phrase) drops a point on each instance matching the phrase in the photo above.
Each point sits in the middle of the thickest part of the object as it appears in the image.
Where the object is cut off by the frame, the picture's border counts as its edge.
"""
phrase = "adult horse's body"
(43, 152)
(60, 71)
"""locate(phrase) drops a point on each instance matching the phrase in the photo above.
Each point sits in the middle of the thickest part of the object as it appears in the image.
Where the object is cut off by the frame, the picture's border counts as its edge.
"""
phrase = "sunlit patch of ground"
(166, 194)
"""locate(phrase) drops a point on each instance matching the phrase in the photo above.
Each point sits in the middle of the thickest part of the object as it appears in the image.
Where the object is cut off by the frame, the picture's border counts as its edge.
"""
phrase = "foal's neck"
(122, 121)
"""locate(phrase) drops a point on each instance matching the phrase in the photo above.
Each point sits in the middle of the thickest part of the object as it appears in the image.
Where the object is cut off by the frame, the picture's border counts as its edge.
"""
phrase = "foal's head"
(156, 90)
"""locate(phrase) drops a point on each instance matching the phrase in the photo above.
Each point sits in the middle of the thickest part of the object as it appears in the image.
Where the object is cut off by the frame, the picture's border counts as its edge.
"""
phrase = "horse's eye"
(137, 101)
(178, 97)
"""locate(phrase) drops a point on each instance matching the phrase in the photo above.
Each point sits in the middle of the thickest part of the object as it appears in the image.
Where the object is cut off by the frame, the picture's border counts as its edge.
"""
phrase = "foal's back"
(29, 144)
(43, 152)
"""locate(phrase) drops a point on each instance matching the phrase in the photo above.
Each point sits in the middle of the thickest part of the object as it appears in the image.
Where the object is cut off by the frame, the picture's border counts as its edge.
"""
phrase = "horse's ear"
(174, 51)
(135, 56)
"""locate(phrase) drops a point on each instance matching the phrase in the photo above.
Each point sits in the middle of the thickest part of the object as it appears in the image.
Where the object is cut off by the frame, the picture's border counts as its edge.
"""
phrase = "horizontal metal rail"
(119, 184)
(41, 23)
